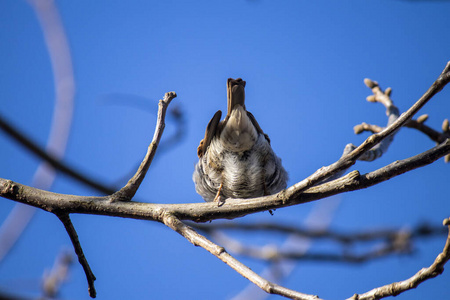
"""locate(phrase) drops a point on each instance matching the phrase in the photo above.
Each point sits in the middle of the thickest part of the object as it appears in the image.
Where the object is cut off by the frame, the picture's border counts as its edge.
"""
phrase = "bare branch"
(171, 214)
(233, 208)
(397, 288)
(198, 240)
(391, 111)
(202, 212)
(130, 189)
(65, 219)
(349, 159)
(434, 135)
(418, 124)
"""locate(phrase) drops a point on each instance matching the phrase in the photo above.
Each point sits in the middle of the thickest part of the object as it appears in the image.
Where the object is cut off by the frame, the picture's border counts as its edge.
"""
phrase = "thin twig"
(168, 143)
(434, 135)
(129, 190)
(348, 160)
(381, 147)
(392, 112)
(65, 219)
(198, 240)
(424, 274)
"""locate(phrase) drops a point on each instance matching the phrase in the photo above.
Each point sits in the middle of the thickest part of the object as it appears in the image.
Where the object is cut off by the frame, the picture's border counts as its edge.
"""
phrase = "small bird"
(235, 156)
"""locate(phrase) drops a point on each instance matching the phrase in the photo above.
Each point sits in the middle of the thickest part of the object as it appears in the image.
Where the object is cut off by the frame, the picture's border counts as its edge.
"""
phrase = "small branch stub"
(129, 190)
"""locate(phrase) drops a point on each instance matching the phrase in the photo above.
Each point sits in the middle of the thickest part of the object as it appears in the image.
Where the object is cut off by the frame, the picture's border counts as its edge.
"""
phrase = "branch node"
(8, 188)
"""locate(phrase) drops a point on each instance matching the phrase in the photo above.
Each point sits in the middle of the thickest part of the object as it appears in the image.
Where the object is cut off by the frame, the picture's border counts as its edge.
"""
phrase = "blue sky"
(304, 63)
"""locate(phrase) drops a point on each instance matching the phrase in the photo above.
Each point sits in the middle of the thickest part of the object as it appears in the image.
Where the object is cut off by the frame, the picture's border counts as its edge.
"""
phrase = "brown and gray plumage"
(235, 156)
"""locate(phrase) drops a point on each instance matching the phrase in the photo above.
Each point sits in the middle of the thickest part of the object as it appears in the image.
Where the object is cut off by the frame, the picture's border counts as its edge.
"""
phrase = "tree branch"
(418, 124)
(171, 214)
(202, 212)
(424, 274)
(199, 240)
(65, 219)
(233, 208)
(130, 189)
(349, 159)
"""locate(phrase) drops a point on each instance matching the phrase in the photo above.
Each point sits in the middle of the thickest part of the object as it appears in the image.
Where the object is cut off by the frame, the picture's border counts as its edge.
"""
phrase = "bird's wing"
(258, 128)
(210, 132)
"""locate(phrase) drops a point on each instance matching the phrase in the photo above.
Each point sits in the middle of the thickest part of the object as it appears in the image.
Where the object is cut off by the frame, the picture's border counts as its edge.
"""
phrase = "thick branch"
(202, 212)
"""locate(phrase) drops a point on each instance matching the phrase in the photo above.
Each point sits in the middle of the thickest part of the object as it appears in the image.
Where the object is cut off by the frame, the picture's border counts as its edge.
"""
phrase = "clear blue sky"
(304, 63)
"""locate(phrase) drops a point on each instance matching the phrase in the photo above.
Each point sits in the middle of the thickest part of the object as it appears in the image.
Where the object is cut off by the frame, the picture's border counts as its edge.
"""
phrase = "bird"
(236, 159)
